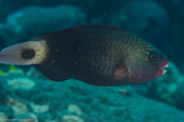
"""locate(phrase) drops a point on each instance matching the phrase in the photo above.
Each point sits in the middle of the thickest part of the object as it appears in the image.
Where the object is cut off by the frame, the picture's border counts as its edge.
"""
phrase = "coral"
(10, 6)
(14, 70)
(178, 96)
(76, 101)
(39, 108)
(2, 116)
(23, 83)
(32, 72)
(26, 23)
(166, 87)
(30, 117)
(2, 72)
(74, 109)
(18, 107)
(72, 118)
(144, 18)
(139, 14)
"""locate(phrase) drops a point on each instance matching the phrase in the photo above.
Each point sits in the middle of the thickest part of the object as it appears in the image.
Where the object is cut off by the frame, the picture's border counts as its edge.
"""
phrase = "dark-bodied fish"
(95, 54)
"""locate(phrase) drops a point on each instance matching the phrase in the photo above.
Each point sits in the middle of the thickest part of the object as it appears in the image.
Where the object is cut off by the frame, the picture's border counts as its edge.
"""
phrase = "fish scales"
(86, 52)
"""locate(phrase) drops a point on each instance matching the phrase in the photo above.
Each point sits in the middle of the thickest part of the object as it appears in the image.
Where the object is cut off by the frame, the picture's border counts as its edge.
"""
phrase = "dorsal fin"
(49, 35)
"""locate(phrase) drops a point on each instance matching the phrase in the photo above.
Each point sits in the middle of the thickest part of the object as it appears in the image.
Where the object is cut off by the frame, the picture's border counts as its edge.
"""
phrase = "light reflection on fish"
(95, 54)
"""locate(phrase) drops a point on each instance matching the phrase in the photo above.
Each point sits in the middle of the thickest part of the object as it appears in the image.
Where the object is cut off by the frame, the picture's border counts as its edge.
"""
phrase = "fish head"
(26, 53)
(146, 64)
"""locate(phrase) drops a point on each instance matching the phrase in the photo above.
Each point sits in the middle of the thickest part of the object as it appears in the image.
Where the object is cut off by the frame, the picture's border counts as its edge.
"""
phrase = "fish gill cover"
(27, 94)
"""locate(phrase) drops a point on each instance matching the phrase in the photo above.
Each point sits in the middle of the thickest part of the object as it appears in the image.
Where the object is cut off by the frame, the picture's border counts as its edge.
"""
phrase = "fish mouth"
(165, 68)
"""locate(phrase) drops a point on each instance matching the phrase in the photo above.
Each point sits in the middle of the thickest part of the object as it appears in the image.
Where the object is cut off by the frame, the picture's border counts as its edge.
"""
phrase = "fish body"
(95, 54)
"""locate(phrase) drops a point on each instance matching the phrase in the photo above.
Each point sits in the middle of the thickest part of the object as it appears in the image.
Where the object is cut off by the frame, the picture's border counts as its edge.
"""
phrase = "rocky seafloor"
(30, 96)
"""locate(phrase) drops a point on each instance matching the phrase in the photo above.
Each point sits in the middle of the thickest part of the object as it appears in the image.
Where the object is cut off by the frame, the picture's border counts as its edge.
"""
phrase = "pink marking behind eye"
(119, 74)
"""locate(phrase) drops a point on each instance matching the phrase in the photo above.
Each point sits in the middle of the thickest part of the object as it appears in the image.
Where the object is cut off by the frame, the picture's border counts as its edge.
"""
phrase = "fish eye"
(153, 56)
(28, 54)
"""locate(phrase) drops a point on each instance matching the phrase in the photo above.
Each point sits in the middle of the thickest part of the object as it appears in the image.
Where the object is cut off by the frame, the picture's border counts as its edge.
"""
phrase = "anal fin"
(52, 75)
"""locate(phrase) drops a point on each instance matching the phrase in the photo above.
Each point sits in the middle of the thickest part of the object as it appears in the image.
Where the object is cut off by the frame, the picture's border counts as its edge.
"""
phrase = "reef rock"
(76, 101)
(168, 88)
(33, 21)
(144, 18)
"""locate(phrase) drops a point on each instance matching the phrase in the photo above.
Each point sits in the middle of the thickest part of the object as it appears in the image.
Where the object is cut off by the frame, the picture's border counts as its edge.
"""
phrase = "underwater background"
(26, 95)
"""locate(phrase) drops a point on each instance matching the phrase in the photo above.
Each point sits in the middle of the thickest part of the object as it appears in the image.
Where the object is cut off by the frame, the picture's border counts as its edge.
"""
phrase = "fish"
(100, 55)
